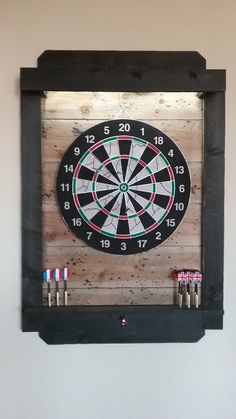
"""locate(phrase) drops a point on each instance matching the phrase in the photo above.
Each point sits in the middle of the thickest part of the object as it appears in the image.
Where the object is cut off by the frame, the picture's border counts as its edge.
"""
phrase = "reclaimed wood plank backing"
(99, 278)
(122, 296)
(141, 105)
(91, 267)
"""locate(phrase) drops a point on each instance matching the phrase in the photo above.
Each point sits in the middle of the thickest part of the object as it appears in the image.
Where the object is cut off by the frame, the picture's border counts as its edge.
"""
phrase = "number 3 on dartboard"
(123, 246)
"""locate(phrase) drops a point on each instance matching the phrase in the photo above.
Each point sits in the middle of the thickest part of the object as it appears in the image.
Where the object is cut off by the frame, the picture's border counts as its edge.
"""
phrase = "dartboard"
(123, 187)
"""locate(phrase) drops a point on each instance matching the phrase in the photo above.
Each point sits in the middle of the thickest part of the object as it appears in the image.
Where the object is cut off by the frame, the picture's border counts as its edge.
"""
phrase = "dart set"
(57, 275)
(189, 282)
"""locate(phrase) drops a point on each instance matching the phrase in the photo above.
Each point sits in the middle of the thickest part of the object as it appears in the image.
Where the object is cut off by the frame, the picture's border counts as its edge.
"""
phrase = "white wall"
(147, 381)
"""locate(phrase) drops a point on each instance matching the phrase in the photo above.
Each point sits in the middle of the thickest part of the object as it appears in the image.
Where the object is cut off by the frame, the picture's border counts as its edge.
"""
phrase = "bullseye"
(124, 187)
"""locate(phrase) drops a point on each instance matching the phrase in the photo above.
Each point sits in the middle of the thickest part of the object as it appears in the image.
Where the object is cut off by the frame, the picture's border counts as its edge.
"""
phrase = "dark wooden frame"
(122, 71)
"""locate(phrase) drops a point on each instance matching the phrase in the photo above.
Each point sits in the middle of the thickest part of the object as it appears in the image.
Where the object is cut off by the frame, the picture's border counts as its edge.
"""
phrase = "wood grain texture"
(116, 296)
(141, 105)
(93, 268)
(100, 278)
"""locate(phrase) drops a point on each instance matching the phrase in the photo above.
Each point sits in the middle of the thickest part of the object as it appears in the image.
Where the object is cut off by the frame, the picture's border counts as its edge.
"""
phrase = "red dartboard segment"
(106, 162)
(77, 169)
(154, 148)
(124, 156)
(94, 147)
(125, 137)
(123, 217)
(170, 173)
(170, 203)
(76, 201)
(155, 225)
(105, 211)
(94, 227)
(123, 187)
(152, 197)
(141, 212)
(153, 179)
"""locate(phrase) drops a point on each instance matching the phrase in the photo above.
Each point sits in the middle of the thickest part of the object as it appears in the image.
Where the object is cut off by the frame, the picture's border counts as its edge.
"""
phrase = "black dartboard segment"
(123, 187)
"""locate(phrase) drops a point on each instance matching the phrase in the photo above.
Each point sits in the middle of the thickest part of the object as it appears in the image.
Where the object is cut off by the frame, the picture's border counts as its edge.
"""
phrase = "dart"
(186, 286)
(183, 285)
(188, 282)
(178, 276)
(180, 295)
(57, 274)
(65, 276)
(47, 276)
(196, 280)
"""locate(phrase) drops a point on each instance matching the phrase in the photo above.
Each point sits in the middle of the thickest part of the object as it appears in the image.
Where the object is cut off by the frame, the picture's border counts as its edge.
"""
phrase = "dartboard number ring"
(123, 187)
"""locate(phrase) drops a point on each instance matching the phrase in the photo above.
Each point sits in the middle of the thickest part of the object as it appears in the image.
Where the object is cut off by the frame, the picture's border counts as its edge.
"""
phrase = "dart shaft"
(196, 297)
(180, 297)
(49, 295)
(65, 293)
(188, 300)
(57, 294)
